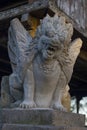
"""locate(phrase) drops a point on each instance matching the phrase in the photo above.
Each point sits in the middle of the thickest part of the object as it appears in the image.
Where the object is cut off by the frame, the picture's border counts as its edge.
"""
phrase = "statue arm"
(29, 89)
(57, 97)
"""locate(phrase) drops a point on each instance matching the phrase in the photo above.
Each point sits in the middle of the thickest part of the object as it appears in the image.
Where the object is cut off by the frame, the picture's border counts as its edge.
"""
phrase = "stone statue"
(42, 66)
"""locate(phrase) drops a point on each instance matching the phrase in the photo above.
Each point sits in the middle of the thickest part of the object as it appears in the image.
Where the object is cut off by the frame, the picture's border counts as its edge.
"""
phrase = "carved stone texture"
(66, 99)
(6, 97)
(43, 65)
(42, 117)
(31, 127)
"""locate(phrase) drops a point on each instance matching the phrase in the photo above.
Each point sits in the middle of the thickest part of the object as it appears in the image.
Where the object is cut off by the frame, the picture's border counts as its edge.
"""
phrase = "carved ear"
(74, 49)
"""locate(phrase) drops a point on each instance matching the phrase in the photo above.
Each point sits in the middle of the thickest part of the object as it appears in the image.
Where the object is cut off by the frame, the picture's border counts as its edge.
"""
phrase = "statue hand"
(27, 104)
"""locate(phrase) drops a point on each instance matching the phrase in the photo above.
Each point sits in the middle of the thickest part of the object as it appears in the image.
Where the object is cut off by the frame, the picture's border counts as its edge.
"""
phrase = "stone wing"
(72, 54)
(68, 58)
(18, 43)
(74, 50)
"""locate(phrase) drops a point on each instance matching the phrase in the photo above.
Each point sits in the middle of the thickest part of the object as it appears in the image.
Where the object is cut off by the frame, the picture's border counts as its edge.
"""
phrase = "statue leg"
(16, 89)
(28, 91)
(57, 97)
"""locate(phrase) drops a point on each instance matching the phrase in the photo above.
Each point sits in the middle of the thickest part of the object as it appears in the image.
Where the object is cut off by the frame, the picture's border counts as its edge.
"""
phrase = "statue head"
(52, 35)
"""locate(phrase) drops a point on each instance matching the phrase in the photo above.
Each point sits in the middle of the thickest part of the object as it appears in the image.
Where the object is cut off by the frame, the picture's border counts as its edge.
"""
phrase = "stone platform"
(40, 119)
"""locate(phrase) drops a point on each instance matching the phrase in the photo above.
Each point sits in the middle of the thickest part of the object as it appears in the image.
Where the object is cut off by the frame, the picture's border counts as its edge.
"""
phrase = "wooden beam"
(12, 4)
(61, 12)
(23, 9)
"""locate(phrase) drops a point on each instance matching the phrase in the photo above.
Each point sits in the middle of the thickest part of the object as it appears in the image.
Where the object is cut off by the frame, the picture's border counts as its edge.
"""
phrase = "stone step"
(41, 117)
(40, 127)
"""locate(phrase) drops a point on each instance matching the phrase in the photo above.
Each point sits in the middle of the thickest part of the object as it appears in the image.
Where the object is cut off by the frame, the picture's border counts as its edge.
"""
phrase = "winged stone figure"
(42, 66)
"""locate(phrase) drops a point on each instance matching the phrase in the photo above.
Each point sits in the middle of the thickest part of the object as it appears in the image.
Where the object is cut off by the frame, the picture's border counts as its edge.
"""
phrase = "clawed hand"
(28, 104)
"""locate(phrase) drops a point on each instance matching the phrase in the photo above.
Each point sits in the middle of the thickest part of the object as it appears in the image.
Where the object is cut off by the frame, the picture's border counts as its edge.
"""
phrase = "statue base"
(40, 119)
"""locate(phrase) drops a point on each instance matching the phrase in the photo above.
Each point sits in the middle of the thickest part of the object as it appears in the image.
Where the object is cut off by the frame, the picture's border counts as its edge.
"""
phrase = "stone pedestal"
(40, 119)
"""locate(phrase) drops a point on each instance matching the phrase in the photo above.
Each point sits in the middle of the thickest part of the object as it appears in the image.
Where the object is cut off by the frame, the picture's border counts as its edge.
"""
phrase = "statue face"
(50, 51)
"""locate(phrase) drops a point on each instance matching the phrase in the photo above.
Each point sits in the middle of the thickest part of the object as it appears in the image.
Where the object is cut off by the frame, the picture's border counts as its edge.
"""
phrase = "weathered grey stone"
(31, 127)
(42, 117)
(42, 66)
(6, 97)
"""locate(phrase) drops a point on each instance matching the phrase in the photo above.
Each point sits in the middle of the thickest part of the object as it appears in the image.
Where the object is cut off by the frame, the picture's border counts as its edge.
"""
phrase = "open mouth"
(51, 50)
